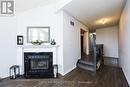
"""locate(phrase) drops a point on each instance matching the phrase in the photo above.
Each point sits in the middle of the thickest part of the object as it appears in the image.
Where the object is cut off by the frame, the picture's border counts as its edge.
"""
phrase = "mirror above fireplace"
(38, 34)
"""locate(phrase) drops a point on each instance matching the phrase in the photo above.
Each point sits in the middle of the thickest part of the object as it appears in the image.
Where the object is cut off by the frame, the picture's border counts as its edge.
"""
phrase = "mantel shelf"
(40, 46)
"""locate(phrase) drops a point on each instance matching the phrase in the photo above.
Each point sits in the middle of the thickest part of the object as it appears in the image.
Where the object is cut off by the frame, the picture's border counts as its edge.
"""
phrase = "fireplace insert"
(38, 64)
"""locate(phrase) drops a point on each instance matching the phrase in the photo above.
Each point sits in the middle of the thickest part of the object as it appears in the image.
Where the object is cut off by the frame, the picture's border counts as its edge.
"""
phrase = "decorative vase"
(53, 42)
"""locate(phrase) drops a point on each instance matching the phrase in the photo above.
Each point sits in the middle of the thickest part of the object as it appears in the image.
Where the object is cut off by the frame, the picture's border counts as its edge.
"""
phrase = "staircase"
(92, 65)
(86, 65)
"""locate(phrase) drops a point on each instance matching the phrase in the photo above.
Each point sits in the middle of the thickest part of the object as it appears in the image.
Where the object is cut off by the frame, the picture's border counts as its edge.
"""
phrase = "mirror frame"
(38, 27)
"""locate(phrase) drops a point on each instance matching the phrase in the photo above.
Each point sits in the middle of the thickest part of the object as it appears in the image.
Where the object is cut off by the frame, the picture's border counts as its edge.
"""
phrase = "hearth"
(38, 64)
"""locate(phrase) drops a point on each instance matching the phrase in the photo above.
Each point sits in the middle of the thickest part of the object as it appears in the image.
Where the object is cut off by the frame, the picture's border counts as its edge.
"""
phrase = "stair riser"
(82, 66)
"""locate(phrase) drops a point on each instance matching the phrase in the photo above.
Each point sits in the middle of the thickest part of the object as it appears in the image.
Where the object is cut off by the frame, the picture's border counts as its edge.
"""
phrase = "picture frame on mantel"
(19, 40)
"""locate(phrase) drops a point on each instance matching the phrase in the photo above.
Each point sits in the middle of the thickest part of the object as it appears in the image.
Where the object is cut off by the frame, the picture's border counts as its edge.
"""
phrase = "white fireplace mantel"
(39, 48)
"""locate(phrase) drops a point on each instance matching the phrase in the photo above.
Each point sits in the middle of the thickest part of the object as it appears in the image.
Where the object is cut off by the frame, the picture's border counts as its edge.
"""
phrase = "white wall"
(7, 44)
(42, 16)
(25, 5)
(71, 42)
(124, 41)
(109, 37)
(68, 37)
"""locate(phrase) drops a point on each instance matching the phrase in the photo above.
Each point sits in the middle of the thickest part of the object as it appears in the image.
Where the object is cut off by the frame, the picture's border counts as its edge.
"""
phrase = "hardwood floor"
(106, 77)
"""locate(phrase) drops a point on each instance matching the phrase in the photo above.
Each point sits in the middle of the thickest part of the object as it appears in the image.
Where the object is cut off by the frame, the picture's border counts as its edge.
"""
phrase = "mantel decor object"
(53, 42)
(19, 40)
(55, 67)
(37, 42)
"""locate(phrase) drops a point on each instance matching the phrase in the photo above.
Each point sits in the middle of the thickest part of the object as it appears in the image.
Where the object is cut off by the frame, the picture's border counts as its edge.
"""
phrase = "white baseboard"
(69, 70)
(126, 77)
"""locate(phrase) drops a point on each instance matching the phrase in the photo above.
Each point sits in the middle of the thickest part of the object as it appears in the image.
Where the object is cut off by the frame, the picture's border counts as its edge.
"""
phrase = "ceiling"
(96, 13)
(24, 5)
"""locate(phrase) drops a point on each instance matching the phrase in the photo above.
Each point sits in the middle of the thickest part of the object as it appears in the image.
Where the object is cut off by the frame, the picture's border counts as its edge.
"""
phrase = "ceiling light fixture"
(103, 21)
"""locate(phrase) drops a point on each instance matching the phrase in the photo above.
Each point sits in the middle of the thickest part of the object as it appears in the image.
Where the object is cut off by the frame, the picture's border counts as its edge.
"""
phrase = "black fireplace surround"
(38, 65)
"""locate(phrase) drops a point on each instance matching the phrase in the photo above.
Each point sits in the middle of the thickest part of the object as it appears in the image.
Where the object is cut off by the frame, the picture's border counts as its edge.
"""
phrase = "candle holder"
(55, 70)
(14, 72)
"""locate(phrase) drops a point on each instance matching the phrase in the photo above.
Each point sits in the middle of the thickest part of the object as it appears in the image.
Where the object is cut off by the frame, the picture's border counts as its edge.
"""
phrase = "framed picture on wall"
(19, 40)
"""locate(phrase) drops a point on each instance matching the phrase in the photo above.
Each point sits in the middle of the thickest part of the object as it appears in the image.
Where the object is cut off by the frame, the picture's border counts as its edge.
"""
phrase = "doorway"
(84, 41)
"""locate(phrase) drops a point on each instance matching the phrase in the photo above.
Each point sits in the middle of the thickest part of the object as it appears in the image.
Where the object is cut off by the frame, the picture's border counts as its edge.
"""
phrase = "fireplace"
(38, 64)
